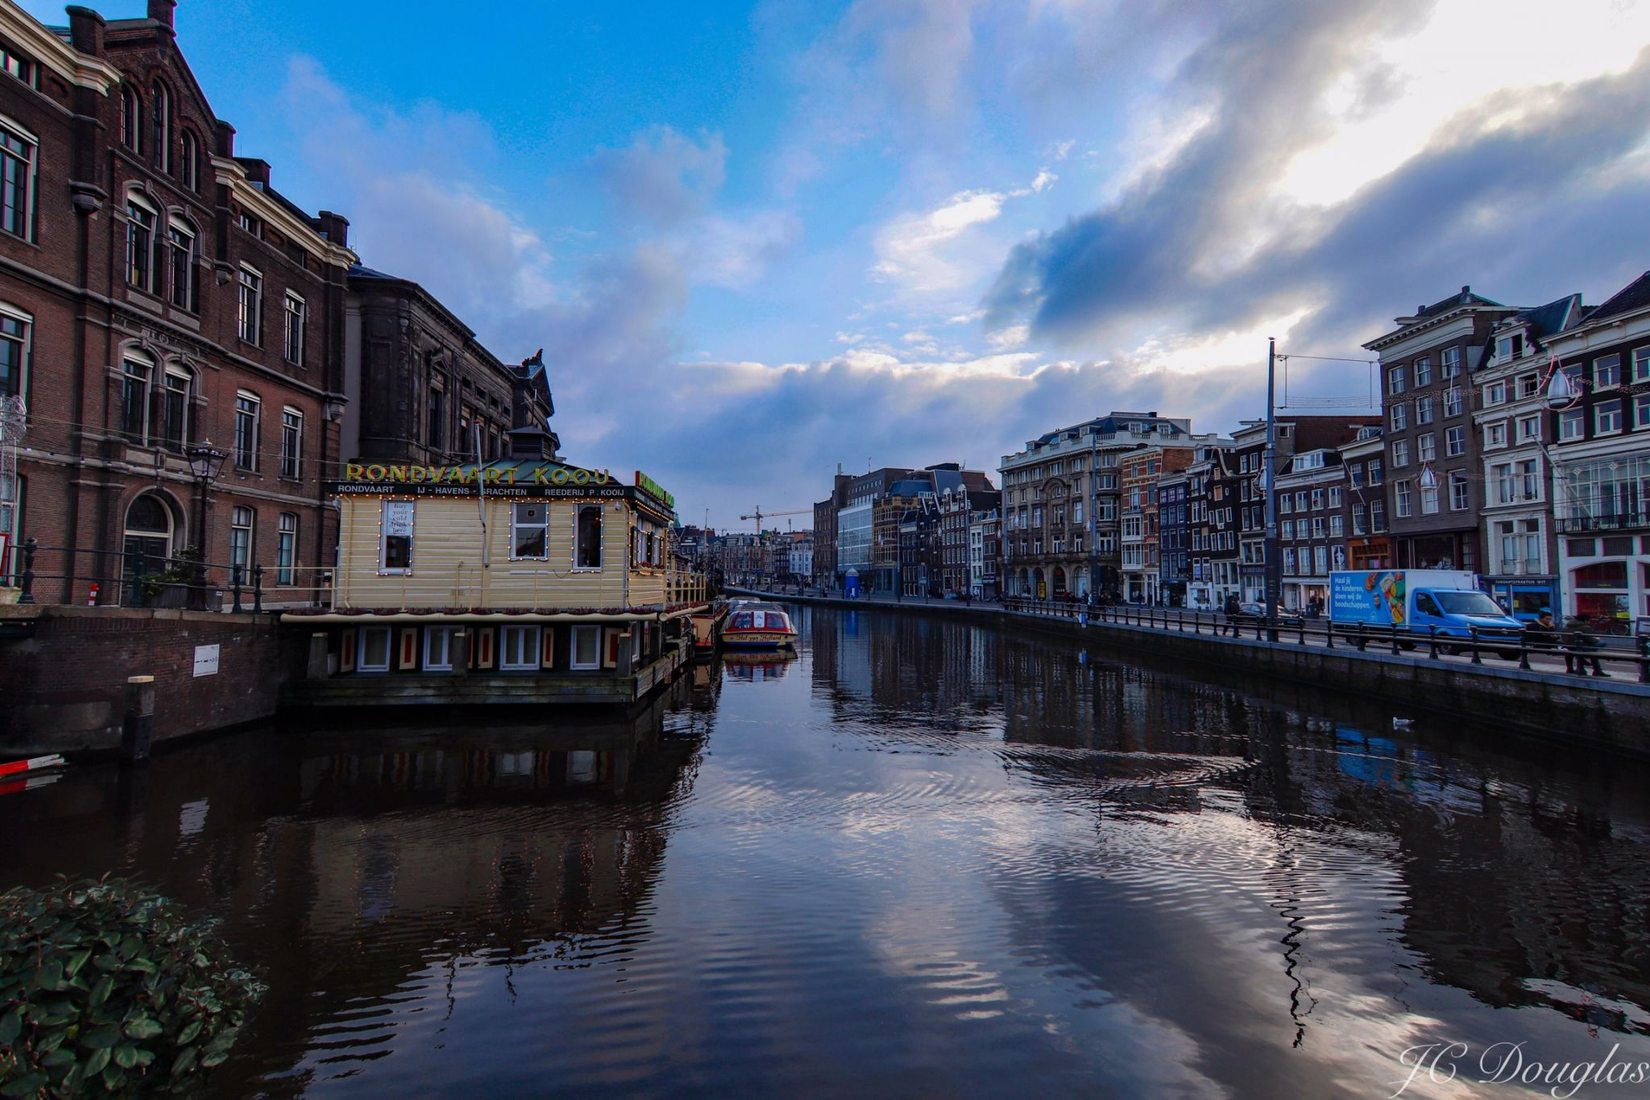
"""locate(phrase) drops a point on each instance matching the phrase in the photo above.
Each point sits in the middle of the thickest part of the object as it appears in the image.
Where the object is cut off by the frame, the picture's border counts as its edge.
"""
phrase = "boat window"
(528, 537)
(396, 537)
(587, 549)
(743, 621)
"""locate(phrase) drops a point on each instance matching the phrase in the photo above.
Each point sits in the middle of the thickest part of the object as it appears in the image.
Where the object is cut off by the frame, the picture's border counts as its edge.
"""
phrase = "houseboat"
(523, 580)
(753, 625)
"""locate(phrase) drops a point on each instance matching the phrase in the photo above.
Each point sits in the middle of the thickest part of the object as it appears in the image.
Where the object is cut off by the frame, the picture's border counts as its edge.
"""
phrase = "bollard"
(1432, 642)
(235, 587)
(135, 730)
(1395, 641)
(1644, 660)
(257, 590)
(1472, 634)
(26, 595)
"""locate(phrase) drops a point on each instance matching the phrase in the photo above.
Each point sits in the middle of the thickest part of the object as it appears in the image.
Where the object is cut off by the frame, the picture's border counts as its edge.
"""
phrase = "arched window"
(131, 119)
(189, 164)
(174, 403)
(137, 374)
(141, 220)
(161, 108)
(183, 256)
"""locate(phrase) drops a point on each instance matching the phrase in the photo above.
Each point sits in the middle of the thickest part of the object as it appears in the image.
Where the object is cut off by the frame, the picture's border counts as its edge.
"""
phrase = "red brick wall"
(63, 689)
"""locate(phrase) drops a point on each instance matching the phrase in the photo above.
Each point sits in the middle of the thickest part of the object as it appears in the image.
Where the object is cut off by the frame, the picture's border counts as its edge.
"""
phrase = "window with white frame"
(1395, 380)
(1402, 500)
(1334, 496)
(1641, 410)
(17, 179)
(1454, 401)
(1337, 526)
(1495, 435)
(518, 647)
(1607, 371)
(1572, 424)
(1426, 447)
(1455, 441)
(587, 537)
(286, 548)
(1317, 499)
(438, 648)
(1529, 428)
(1377, 516)
(1641, 364)
(1423, 371)
(247, 409)
(292, 442)
(294, 349)
(1460, 495)
(529, 531)
(1429, 500)
(1320, 560)
(249, 306)
(1400, 453)
(141, 219)
(240, 539)
(16, 332)
(1399, 415)
(586, 647)
(395, 536)
(1495, 393)
(1424, 409)
(1527, 385)
(1451, 361)
(1607, 417)
(372, 653)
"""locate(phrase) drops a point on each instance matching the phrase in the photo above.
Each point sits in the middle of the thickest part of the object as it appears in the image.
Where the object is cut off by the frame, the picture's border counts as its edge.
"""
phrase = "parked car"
(1255, 612)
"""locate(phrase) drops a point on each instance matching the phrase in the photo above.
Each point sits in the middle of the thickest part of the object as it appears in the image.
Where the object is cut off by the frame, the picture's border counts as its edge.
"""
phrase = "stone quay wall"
(63, 684)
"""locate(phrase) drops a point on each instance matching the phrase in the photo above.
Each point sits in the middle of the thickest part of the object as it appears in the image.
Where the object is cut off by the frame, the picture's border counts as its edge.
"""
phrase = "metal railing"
(77, 575)
(1583, 654)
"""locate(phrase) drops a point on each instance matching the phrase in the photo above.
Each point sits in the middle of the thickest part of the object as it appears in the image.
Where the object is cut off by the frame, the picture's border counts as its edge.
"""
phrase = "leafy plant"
(181, 569)
(108, 988)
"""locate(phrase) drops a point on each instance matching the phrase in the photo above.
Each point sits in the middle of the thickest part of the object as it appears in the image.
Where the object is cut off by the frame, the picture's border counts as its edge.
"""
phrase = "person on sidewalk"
(1582, 647)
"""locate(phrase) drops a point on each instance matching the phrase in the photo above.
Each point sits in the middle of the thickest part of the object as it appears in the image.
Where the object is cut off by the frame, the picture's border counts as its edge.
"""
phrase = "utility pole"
(1274, 567)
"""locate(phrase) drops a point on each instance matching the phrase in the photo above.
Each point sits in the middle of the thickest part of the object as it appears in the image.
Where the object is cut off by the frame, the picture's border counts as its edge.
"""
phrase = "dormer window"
(1510, 346)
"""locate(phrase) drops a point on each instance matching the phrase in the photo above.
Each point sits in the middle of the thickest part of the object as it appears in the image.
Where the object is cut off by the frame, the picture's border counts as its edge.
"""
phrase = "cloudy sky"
(758, 240)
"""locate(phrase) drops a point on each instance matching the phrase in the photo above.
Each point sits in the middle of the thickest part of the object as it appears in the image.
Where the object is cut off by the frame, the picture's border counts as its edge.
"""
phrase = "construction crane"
(759, 515)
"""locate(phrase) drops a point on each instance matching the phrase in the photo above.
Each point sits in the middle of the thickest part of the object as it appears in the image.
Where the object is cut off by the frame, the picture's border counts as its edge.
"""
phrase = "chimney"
(161, 12)
(225, 139)
(257, 171)
(334, 227)
(86, 31)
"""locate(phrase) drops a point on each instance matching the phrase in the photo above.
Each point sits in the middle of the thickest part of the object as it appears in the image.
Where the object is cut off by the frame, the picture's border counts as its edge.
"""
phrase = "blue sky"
(760, 239)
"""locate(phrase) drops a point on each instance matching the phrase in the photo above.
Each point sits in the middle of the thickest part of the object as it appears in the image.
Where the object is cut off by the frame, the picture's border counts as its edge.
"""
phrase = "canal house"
(525, 579)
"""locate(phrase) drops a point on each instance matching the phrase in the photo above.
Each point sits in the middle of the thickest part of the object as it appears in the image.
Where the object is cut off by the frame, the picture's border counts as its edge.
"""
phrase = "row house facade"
(985, 537)
(1368, 544)
(1140, 521)
(157, 293)
(1211, 516)
(1428, 369)
(1600, 423)
(1510, 425)
(1061, 505)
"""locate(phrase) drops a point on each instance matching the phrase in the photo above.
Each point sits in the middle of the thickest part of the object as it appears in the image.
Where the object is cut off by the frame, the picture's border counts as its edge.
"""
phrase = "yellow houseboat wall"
(450, 571)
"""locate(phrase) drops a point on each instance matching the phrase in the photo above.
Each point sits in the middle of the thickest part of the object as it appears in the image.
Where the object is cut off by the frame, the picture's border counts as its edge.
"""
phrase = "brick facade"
(164, 295)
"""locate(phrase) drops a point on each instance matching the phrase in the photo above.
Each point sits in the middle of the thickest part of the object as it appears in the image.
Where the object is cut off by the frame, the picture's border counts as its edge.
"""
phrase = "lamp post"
(205, 462)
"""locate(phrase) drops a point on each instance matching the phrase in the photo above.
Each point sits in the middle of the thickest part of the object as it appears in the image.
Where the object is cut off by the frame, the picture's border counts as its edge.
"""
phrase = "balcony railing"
(1613, 521)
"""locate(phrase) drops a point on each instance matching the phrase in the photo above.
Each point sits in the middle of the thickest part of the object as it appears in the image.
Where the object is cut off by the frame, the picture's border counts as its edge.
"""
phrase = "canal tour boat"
(752, 625)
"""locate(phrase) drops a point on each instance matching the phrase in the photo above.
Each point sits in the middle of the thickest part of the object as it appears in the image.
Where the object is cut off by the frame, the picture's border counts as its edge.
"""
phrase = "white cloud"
(909, 248)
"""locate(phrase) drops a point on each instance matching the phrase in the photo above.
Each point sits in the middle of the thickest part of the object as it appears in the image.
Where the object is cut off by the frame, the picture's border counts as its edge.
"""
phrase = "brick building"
(157, 292)
(1428, 366)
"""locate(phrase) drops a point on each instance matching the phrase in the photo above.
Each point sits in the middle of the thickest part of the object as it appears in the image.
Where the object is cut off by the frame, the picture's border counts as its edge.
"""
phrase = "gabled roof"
(1635, 295)
(1455, 301)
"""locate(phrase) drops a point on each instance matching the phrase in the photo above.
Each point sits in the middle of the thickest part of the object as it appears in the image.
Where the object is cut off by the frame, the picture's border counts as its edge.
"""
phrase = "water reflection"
(915, 858)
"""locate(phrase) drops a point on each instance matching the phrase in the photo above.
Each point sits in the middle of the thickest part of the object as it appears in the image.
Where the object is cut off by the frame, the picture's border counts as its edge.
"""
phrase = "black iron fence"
(136, 578)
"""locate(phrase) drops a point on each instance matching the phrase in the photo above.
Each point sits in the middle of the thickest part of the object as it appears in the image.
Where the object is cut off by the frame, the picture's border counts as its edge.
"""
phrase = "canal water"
(919, 858)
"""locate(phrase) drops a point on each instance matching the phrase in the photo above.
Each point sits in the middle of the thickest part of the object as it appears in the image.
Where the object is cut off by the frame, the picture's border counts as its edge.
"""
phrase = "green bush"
(105, 987)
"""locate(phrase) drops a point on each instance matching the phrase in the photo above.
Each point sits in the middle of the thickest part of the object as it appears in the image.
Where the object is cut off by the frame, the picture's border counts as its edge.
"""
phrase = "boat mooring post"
(136, 729)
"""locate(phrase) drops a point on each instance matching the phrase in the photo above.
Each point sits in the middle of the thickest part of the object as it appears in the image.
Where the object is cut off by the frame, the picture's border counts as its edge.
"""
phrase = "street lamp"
(205, 462)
